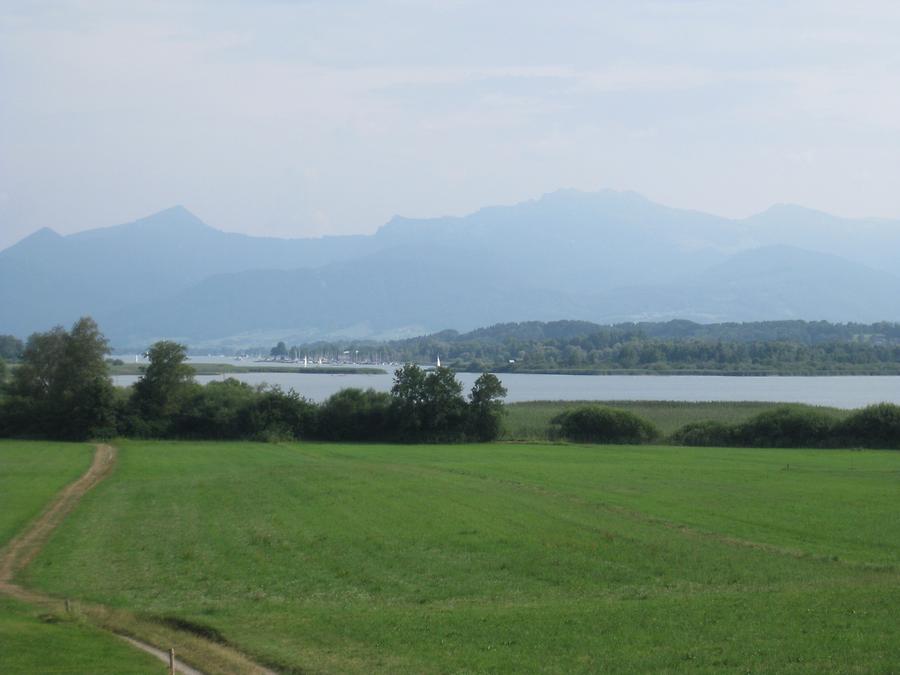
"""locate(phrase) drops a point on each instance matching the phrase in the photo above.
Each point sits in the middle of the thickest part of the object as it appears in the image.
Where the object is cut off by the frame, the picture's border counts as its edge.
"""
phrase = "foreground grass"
(530, 420)
(31, 473)
(35, 639)
(347, 558)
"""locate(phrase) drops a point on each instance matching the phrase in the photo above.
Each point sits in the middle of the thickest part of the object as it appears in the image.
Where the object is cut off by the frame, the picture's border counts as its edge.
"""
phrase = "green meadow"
(530, 420)
(499, 557)
(35, 639)
(31, 473)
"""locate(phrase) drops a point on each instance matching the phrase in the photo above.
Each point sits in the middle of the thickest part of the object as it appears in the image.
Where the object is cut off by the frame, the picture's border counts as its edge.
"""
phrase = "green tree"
(164, 385)
(11, 348)
(444, 411)
(408, 401)
(427, 406)
(279, 351)
(85, 406)
(26, 410)
(486, 407)
(62, 388)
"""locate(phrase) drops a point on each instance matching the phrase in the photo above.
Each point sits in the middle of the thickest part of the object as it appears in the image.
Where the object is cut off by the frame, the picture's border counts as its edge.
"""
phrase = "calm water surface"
(840, 392)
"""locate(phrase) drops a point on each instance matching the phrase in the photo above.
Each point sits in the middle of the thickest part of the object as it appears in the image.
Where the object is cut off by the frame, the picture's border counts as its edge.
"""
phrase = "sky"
(318, 117)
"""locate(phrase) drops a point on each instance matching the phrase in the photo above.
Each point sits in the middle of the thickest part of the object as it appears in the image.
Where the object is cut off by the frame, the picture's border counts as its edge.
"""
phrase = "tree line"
(783, 347)
(61, 389)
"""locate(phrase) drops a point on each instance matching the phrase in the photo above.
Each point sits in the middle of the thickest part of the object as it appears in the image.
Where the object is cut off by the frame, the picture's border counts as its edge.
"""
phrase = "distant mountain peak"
(795, 212)
(177, 210)
(169, 222)
(43, 234)
(174, 215)
(38, 239)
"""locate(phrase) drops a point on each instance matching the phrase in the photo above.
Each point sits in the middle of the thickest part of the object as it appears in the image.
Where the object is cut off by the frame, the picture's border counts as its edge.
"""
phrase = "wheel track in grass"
(22, 549)
(18, 553)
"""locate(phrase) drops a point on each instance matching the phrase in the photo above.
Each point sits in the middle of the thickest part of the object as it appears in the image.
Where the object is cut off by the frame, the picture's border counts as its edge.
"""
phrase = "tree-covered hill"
(798, 347)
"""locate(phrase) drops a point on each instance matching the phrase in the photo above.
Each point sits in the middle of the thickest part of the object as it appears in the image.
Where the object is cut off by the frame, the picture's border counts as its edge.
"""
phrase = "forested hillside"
(785, 347)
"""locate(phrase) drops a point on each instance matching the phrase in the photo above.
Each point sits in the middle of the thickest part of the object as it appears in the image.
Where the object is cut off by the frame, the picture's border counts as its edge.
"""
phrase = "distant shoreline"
(700, 372)
(202, 368)
(227, 368)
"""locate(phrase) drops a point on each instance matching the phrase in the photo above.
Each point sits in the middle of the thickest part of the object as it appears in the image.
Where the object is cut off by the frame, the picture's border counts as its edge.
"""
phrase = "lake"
(840, 392)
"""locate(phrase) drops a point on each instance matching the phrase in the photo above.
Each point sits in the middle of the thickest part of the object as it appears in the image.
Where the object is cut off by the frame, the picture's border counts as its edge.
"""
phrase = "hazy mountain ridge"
(605, 256)
(47, 278)
(764, 284)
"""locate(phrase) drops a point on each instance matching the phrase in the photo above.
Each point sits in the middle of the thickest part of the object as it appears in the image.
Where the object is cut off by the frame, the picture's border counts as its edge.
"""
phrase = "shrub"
(596, 424)
(876, 426)
(354, 415)
(277, 415)
(786, 427)
(215, 410)
(705, 433)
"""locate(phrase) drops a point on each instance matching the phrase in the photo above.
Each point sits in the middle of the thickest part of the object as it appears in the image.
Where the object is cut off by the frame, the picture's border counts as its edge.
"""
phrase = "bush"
(354, 415)
(876, 426)
(278, 415)
(215, 410)
(595, 424)
(17, 417)
(704, 434)
(786, 427)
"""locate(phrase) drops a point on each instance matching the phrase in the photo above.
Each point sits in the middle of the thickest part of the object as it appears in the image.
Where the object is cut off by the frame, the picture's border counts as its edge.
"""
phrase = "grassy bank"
(501, 557)
(530, 420)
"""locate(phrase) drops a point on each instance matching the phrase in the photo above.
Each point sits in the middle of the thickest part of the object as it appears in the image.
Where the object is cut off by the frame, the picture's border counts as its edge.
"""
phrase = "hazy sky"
(312, 117)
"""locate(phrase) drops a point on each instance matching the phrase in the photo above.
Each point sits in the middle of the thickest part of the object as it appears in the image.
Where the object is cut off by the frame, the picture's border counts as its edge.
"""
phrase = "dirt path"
(23, 548)
(161, 655)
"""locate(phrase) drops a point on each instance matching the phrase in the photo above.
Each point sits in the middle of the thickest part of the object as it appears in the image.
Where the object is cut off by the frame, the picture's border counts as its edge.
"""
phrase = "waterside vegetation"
(61, 389)
(673, 347)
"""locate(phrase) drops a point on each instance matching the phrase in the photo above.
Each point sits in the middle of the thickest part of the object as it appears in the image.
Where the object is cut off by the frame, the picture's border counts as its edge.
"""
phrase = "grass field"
(31, 473)
(501, 557)
(530, 420)
(34, 640)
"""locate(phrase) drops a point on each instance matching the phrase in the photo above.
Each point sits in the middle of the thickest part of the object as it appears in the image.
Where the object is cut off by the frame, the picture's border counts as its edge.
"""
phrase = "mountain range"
(603, 256)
